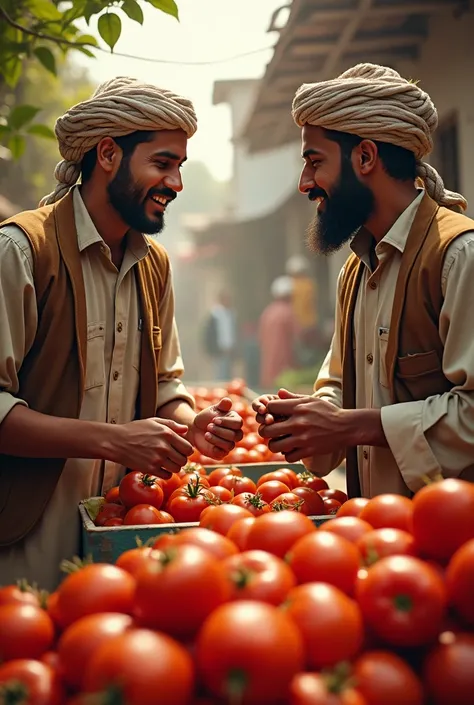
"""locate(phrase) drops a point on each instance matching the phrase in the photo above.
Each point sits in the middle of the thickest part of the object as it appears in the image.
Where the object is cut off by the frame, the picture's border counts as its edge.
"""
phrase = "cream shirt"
(424, 437)
(111, 377)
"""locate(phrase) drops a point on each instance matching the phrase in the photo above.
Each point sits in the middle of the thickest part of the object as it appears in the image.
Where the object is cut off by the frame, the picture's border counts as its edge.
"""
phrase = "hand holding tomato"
(217, 429)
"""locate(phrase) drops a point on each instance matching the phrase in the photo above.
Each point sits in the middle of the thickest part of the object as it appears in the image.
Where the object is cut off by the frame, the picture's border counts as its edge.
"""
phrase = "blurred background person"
(304, 301)
(278, 331)
(220, 337)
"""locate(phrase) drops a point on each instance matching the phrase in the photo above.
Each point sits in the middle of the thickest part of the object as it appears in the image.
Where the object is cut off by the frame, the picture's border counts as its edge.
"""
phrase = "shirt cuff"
(7, 402)
(322, 465)
(172, 390)
(404, 430)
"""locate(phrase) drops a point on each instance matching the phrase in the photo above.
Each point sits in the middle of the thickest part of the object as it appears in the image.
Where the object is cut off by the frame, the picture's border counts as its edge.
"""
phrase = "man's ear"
(109, 154)
(366, 155)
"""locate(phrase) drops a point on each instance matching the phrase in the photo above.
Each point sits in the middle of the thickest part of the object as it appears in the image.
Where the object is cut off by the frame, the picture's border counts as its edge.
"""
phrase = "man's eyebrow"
(311, 152)
(168, 155)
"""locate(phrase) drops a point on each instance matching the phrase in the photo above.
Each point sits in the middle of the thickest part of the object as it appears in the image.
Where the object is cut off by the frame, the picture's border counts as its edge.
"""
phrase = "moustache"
(165, 192)
(315, 193)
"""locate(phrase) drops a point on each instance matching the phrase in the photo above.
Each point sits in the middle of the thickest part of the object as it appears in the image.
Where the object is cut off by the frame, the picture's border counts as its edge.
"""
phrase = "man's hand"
(260, 405)
(216, 430)
(155, 446)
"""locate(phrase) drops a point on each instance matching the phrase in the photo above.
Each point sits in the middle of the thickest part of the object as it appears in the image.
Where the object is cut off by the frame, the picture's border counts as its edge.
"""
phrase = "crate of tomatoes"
(144, 506)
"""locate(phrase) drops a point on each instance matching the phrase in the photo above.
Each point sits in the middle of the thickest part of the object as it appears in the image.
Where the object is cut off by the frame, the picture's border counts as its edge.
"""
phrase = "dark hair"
(398, 162)
(127, 144)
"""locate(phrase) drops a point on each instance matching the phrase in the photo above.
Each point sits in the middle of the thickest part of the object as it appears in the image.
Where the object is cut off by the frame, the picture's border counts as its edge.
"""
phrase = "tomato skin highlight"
(312, 689)
(277, 532)
(140, 488)
(26, 632)
(256, 575)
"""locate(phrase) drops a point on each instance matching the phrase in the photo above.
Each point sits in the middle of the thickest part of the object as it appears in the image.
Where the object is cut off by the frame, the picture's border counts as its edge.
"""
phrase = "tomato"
(325, 557)
(187, 504)
(353, 507)
(80, 641)
(313, 504)
(330, 622)
(263, 450)
(52, 609)
(144, 514)
(308, 479)
(110, 511)
(380, 543)
(21, 594)
(287, 501)
(250, 440)
(215, 544)
(140, 488)
(383, 677)
(51, 659)
(144, 668)
(256, 575)
(338, 495)
(192, 469)
(277, 532)
(277, 476)
(133, 559)
(237, 484)
(113, 495)
(253, 502)
(221, 518)
(26, 631)
(403, 600)
(331, 505)
(391, 511)
(178, 588)
(38, 681)
(443, 517)
(237, 386)
(222, 493)
(239, 531)
(194, 477)
(113, 521)
(95, 588)
(272, 489)
(216, 475)
(315, 689)
(170, 485)
(448, 672)
(460, 581)
(350, 528)
(292, 477)
(238, 456)
(249, 652)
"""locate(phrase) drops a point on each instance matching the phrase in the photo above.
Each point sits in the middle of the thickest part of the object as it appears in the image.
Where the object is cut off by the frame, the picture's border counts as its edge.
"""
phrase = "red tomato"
(353, 507)
(140, 488)
(178, 589)
(144, 514)
(292, 477)
(216, 475)
(331, 505)
(21, 594)
(110, 511)
(192, 469)
(138, 665)
(133, 559)
(95, 588)
(189, 504)
(80, 641)
(218, 546)
(170, 485)
(237, 485)
(350, 528)
(330, 622)
(460, 581)
(277, 532)
(194, 477)
(256, 575)
(380, 543)
(325, 557)
(313, 504)
(338, 495)
(26, 632)
(383, 677)
(250, 440)
(113, 521)
(37, 681)
(264, 452)
(287, 501)
(277, 476)
(443, 517)
(391, 511)
(237, 386)
(113, 495)
(238, 659)
(272, 489)
(403, 600)
(222, 493)
(238, 456)
(448, 672)
(221, 518)
(239, 531)
(314, 689)
(252, 502)
(308, 479)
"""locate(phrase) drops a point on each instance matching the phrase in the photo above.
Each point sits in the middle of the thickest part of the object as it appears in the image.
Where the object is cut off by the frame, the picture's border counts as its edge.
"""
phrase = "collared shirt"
(426, 437)
(111, 376)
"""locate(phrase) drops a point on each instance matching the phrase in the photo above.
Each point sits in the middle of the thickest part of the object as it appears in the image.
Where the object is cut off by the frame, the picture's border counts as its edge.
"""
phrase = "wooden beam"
(346, 37)
(430, 7)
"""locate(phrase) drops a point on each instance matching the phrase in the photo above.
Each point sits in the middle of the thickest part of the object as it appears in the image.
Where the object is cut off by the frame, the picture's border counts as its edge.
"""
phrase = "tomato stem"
(236, 686)
(14, 693)
(338, 679)
(403, 603)
(76, 564)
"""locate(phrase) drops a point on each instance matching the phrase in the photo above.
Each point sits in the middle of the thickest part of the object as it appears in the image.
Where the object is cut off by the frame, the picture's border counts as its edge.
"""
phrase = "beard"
(348, 207)
(128, 199)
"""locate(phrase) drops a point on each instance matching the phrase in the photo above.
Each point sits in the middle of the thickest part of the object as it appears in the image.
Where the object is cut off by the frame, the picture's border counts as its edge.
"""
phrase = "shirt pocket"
(383, 371)
(95, 366)
(421, 375)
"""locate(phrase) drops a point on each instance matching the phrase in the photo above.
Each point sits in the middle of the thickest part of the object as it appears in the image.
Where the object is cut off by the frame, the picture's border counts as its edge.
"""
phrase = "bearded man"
(90, 362)
(395, 394)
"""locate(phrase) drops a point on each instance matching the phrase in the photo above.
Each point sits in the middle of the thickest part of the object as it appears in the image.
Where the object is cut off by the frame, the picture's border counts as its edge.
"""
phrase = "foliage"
(46, 31)
(295, 380)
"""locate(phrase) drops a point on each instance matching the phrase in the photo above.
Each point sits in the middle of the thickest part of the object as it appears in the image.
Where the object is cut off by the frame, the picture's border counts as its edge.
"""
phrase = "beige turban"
(118, 107)
(376, 103)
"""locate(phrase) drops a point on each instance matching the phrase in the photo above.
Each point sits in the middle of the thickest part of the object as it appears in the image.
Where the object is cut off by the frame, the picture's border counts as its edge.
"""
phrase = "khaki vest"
(51, 376)
(414, 350)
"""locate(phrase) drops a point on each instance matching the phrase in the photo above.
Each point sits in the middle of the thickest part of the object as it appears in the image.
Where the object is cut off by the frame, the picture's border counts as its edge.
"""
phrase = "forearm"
(362, 427)
(29, 434)
(180, 411)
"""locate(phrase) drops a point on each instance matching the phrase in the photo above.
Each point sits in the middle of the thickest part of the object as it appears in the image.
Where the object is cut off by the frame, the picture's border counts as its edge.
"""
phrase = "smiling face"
(328, 177)
(147, 180)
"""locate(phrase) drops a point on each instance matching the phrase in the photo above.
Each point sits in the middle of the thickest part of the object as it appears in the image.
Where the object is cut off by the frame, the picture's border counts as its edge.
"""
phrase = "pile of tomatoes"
(374, 607)
(147, 499)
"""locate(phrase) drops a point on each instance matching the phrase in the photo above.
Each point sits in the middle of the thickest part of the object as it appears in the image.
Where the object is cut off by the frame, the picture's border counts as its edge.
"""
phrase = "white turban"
(118, 107)
(282, 287)
(376, 103)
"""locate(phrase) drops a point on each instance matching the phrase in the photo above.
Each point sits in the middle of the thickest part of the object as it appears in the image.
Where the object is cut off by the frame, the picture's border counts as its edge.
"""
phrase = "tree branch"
(40, 35)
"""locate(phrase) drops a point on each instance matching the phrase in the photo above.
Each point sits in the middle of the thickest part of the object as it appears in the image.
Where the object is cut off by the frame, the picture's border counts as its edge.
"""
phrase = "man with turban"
(90, 362)
(395, 394)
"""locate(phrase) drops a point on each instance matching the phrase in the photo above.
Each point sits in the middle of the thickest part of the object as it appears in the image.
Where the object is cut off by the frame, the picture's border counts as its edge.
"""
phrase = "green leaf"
(86, 39)
(46, 57)
(85, 51)
(167, 6)
(16, 145)
(4, 130)
(92, 8)
(44, 10)
(110, 28)
(21, 116)
(133, 10)
(41, 131)
(12, 70)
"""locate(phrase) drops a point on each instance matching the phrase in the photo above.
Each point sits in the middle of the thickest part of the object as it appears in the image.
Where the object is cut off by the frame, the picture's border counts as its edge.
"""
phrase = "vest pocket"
(157, 342)
(383, 342)
(421, 375)
(95, 365)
